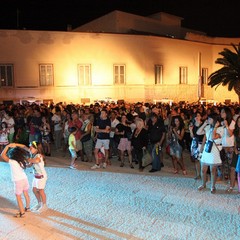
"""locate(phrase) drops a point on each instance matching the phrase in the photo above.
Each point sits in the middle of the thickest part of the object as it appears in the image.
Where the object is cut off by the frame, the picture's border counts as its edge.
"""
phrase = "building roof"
(160, 23)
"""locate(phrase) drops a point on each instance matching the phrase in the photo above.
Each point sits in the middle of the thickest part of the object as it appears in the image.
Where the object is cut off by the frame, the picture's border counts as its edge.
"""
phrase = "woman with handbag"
(210, 149)
(175, 136)
(139, 141)
(196, 142)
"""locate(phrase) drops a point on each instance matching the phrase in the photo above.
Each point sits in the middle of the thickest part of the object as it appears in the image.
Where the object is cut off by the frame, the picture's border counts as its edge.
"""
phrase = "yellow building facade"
(84, 66)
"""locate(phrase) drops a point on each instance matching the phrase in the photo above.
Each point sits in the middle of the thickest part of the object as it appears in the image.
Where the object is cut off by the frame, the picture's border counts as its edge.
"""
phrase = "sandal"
(197, 177)
(175, 171)
(229, 190)
(122, 164)
(19, 215)
(200, 188)
(131, 166)
(27, 209)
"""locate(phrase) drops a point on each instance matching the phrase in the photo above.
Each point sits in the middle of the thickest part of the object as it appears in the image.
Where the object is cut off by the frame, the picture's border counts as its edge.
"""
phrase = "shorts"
(124, 144)
(176, 150)
(21, 186)
(102, 143)
(39, 183)
(73, 153)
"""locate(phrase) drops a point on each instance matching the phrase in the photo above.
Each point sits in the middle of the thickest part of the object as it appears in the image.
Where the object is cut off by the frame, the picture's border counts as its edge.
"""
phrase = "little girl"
(4, 133)
(17, 159)
(40, 176)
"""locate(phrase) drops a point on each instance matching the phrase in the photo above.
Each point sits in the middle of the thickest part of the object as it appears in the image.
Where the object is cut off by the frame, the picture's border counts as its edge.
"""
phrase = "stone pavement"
(121, 203)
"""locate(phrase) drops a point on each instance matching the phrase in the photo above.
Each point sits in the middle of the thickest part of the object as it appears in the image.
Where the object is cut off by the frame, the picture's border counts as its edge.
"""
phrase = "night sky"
(215, 17)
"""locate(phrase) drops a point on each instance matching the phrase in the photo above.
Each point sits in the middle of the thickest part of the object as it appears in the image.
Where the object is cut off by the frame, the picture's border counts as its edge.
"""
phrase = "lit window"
(204, 75)
(6, 73)
(46, 74)
(183, 75)
(158, 74)
(84, 73)
(119, 74)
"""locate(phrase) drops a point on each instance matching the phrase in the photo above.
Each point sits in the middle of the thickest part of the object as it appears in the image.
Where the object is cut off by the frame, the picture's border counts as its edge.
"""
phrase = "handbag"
(209, 144)
(147, 158)
(208, 147)
(168, 149)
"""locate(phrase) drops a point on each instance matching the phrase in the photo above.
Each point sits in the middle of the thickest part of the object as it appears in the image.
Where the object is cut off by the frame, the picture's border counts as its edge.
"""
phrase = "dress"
(196, 144)
(213, 158)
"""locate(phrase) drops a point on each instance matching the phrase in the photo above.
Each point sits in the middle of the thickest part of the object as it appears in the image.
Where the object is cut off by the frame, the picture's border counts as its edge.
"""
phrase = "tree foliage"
(229, 74)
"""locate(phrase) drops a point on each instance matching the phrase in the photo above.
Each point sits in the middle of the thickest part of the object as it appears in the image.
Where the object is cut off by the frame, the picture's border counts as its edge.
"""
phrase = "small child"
(17, 159)
(4, 133)
(40, 176)
(72, 146)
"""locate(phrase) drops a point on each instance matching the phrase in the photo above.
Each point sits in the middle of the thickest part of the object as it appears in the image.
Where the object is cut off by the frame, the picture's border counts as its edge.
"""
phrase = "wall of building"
(65, 50)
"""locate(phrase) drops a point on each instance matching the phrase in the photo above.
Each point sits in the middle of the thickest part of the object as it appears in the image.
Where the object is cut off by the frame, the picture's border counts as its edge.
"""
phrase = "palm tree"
(229, 74)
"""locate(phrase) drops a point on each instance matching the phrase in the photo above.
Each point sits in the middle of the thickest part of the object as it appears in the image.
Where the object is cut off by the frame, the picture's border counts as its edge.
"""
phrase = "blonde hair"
(139, 122)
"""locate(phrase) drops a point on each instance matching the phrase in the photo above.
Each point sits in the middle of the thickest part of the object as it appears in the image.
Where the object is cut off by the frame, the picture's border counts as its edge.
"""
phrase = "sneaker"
(43, 208)
(72, 167)
(104, 165)
(36, 207)
(95, 166)
(213, 190)
(200, 188)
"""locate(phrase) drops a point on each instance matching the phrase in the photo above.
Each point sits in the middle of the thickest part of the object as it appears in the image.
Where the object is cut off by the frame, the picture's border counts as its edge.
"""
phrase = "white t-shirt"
(226, 140)
(17, 173)
(114, 123)
(10, 122)
(57, 122)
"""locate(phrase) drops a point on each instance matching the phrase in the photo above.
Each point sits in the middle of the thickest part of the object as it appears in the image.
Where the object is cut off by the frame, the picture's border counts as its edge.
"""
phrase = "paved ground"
(121, 203)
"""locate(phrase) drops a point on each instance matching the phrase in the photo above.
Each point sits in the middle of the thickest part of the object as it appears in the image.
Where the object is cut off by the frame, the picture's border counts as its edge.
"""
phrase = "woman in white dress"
(210, 155)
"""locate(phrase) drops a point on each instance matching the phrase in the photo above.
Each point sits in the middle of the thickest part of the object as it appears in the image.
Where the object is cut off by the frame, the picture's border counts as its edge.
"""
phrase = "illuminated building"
(119, 56)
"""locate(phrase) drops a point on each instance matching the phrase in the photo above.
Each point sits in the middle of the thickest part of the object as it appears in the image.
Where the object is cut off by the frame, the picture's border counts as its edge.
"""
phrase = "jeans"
(156, 156)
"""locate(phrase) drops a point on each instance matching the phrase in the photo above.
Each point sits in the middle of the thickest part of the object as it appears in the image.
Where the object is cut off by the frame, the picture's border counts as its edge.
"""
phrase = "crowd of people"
(98, 132)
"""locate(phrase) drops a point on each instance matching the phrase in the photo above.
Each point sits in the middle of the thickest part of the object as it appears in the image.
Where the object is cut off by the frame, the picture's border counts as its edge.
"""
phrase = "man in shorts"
(102, 129)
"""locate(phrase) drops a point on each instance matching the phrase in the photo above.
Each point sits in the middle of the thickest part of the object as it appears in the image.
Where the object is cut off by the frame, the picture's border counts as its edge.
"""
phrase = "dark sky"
(215, 17)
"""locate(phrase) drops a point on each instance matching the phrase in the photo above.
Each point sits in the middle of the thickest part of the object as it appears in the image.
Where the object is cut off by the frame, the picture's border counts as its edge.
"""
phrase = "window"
(46, 74)
(119, 74)
(183, 75)
(84, 73)
(6, 73)
(158, 74)
(204, 75)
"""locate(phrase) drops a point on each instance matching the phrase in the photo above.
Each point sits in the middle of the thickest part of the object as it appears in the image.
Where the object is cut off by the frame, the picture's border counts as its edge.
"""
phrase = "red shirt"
(78, 124)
